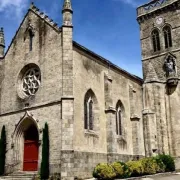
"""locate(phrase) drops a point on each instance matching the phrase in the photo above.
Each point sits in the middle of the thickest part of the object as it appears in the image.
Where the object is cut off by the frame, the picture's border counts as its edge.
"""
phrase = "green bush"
(2, 151)
(118, 168)
(161, 167)
(136, 168)
(44, 171)
(104, 171)
(150, 165)
(126, 170)
(168, 162)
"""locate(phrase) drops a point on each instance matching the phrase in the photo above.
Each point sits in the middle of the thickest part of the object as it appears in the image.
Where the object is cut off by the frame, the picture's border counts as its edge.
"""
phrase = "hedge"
(44, 171)
(144, 166)
(136, 168)
(2, 151)
(168, 161)
(104, 171)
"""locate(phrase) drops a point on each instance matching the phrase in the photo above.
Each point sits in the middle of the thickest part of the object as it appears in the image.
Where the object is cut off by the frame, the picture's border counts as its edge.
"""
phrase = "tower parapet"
(155, 6)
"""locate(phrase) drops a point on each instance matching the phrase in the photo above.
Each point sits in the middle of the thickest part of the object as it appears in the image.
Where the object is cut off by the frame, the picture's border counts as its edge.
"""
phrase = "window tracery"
(119, 121)
(167, 36)
(156, 40)
(89, 115)
(119, 118)
(31, 81)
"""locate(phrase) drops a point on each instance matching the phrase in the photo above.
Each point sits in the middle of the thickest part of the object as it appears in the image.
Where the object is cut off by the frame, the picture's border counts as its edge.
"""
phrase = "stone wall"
(39, 116)
(45, 106)
(160, 101)
(90, 73)
(46, 53)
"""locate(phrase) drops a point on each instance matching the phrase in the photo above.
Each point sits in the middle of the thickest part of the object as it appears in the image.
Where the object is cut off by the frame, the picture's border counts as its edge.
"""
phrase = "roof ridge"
(45, 17)
(102, 59)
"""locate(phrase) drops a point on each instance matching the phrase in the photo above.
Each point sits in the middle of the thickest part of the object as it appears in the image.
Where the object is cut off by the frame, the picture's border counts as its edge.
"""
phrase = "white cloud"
(13, 8)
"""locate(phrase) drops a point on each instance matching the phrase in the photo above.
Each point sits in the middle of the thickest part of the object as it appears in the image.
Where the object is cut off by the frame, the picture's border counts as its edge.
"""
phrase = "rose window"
(31, 81)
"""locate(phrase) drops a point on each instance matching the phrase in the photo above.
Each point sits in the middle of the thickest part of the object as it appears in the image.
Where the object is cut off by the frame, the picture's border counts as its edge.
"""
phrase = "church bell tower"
(160, 44)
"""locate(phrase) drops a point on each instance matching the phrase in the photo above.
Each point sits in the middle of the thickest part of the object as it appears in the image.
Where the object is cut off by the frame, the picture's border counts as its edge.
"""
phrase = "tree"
(45, 154)
(2, 151)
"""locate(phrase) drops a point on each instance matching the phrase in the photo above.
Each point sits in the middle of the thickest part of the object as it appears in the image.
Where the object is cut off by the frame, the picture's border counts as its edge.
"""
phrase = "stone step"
(25, 172)
(19, 176)
(16, 178)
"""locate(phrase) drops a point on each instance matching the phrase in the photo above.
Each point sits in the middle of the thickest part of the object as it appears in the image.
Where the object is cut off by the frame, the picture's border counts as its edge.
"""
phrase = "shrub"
(150, 165)
(118, 168)
(161, 166)
(168, 161)
(126, 170)
(104, 171)
(44, 172)
(2, 151)
(136, 168)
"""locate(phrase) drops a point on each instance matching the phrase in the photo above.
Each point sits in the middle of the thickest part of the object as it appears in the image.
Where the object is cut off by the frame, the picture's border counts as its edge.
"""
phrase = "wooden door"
(31, 150)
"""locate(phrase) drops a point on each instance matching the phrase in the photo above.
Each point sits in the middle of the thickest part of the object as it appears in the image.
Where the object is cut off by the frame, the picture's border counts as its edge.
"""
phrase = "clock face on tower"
(159, 20)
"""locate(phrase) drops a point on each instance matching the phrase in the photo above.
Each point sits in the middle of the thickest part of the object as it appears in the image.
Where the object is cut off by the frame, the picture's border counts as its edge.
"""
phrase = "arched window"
(30, 40)
(156, 40)
(119, 118)
(167, 36)
(89, 114)
(90, 106)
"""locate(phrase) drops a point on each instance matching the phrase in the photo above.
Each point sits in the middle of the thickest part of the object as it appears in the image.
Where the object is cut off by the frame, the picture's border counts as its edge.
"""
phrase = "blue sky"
(107, 27)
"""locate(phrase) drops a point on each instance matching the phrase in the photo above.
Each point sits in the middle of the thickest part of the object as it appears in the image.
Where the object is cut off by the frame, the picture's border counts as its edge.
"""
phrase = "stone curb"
(151, 176)
(146, 176)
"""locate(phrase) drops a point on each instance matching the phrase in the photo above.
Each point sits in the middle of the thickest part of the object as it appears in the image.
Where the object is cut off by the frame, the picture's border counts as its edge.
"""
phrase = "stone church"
(96, 111)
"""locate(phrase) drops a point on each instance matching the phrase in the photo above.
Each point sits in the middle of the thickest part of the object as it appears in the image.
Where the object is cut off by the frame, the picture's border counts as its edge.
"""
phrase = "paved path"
(168, 177)
(172, 177)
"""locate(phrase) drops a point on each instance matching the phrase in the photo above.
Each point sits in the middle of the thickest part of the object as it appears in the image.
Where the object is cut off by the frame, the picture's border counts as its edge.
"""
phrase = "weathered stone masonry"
(96, 111)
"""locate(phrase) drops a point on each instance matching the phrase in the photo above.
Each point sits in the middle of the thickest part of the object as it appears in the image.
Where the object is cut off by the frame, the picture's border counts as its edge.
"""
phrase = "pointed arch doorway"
(31, 149)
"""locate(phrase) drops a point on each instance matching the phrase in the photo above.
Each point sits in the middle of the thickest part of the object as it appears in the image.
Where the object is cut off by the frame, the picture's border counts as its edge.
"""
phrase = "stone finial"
(67, 6)
(31, 5)
(2, 42)
(67, 13)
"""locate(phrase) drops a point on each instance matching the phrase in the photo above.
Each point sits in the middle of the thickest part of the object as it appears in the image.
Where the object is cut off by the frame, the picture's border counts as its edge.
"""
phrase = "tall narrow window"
(30, 40)
(118, 121)
(156, 40)
(89, 111)
(119, 117)
(167, 36)
(90, 114)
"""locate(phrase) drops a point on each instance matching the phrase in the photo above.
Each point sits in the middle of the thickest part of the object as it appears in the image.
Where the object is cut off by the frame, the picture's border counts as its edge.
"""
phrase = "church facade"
(96, 112)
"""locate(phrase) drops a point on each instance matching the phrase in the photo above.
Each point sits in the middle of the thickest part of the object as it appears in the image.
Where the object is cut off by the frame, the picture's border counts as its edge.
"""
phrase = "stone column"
(67, 151)
(110, 118)
(67, 64)
(150, 133)
(149, 121)
(134, 121)
(111, 130)
(135, 134)
(67, 130)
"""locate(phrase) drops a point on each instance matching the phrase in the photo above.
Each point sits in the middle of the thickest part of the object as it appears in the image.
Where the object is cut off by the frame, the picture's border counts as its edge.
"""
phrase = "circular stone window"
(29, 81)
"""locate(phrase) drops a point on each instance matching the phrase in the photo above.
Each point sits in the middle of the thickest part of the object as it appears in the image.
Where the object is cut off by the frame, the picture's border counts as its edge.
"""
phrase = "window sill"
(88, 132)
(120, 138)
